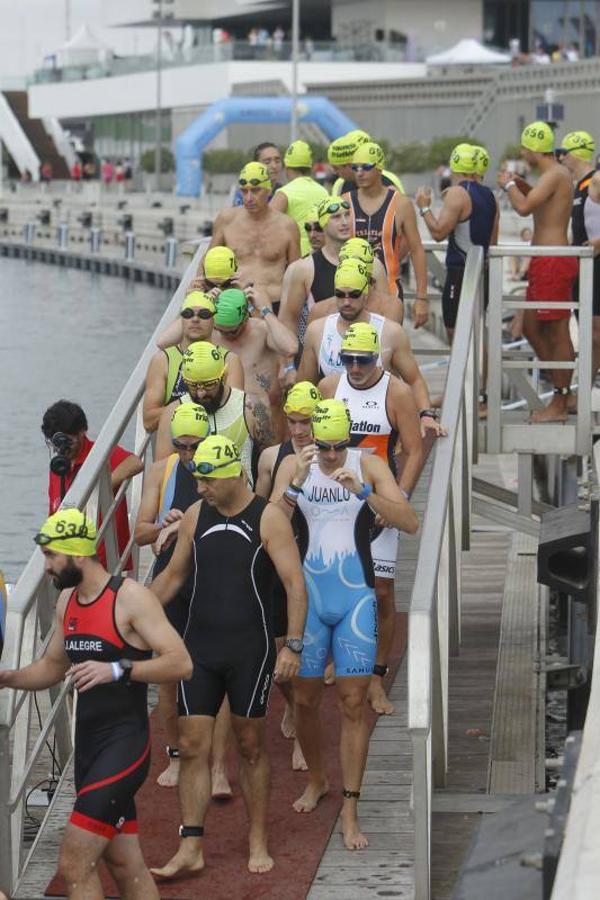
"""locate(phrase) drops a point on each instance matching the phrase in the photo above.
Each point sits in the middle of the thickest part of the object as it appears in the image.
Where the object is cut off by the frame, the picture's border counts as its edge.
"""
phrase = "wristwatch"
(428, 414)
(126, 667)
(266, 310)
(506, 187)
(423, 210)
(296, 645)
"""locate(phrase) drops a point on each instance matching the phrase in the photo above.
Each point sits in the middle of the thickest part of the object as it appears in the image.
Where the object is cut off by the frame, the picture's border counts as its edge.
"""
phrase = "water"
(64, 334)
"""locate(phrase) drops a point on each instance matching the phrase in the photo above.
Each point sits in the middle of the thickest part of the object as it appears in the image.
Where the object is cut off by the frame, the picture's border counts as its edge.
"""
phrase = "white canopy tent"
(468, 52)
(83, 49)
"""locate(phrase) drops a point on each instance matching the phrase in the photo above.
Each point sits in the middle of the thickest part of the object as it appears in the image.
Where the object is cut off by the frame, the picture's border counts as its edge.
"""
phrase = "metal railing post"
(585, 374)
(494, 381)
(6, 850)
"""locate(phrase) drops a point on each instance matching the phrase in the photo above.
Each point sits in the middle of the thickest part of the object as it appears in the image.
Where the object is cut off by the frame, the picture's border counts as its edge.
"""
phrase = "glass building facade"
(546, 24)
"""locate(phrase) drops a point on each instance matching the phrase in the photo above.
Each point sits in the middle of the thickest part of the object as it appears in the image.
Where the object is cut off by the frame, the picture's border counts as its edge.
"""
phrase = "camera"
(60, 464)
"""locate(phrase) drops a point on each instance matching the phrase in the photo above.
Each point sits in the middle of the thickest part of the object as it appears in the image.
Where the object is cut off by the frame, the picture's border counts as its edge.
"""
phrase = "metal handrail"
(30, 614)
(578, 873)
(434, 619)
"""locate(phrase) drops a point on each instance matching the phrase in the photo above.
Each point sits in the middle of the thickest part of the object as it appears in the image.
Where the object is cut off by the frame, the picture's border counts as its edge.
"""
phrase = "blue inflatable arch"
(235, 110)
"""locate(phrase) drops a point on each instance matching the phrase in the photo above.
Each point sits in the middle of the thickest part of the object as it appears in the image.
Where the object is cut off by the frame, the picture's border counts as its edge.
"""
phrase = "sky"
(32, 29)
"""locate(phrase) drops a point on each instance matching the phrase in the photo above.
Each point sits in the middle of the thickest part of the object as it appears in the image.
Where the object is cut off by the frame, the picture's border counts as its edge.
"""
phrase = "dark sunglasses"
(196, 313)
(205, 468)
(323, 445)
(353, 359)
(204, 385)
(342, 295)
(312, 226)
(363, 167)
(179, 445)
(221, 287)
(253, 182)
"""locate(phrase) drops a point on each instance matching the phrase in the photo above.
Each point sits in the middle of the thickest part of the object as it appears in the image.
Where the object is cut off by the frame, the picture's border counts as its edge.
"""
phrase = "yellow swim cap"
(579, 143)
(331, 421)
(189, 419)
(328, 207)
(198, 300)
(361, 337)
(68, 531)
(217, 457)
(256, 175)
(538, 137)
(462, 159)
(302, 398)
(220, 262)
(482, 160)
(359, 136)
(202, 361)
(341, 151)
(358, 248)
(369, 153)
(298, 156)
(353, 274)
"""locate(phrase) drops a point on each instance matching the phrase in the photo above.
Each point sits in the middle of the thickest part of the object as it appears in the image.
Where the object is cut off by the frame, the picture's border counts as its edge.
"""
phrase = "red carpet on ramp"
(296, 841)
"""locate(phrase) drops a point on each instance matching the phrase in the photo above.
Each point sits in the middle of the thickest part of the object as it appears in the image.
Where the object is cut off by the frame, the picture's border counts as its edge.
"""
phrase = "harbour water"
(64, 334)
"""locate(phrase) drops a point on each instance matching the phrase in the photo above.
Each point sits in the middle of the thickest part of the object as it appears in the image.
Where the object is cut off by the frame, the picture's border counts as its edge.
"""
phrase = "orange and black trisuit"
(112, 741)
(380, 230)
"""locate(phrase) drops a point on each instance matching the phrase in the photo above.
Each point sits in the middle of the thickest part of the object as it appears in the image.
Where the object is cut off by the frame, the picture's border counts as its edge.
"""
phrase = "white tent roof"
(468, 52)
(84, 39)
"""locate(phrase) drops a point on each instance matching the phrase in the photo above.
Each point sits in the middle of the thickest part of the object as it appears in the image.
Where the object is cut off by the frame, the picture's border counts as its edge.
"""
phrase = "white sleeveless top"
(331, 343)
(371, 429)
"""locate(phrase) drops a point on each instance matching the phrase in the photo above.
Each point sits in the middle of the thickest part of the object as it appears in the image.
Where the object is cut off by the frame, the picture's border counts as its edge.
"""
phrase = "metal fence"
(31, 608)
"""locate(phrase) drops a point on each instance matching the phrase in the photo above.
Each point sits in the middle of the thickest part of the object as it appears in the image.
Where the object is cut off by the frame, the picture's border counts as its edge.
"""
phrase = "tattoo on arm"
(263, 427)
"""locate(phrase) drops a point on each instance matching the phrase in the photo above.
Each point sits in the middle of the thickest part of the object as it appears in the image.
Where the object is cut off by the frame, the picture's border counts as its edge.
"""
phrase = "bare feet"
(377, 697)
(298, 761)
(556, 411)
(259, 860)
(329, 676)
(354, 839)
(170, 776)
(187, 861)
(288, 729)
(221, 789)
(311, 796)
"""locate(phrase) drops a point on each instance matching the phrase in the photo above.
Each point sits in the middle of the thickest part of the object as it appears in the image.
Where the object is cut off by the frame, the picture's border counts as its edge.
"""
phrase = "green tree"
(167, 161)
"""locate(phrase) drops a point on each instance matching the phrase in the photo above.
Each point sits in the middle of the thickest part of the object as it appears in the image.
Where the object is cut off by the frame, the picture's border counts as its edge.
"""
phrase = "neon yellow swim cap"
(331, 421)
(302, 398)
(538, 137)
(361, 337)
(202, 361)
(369, 153)
(256, 175)
(232, 308)
(358, 136)
(579, 143)
(298, 156)
(217, 457)
(482, 160)
(352, 273)
(189, 419)
(68, 531)
(329, 206)
(462, 159)
(341, 151)
(220, 262)
(358, 248)
(198, 300)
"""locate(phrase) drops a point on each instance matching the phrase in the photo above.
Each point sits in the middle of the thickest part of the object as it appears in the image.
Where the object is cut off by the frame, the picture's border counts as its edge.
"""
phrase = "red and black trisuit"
(112, 737)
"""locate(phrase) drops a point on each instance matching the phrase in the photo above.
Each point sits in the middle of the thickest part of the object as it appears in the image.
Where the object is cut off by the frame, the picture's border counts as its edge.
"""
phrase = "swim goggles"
(253, 182)
(201, 313)
(323, 445)
(353, 359)
(343, 295)
(206, 468)
(363, 167)
(312, 226)
(42, 539)
(334, 207)
(204, 385)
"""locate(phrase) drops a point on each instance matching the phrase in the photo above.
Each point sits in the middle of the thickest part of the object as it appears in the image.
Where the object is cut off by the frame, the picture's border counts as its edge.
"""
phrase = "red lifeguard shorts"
(551, 278)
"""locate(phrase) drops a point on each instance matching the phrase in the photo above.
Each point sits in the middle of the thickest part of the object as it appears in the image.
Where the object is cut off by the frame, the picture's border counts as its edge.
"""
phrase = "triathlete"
(163, 379)
(220, 270)
(264, 240)
(230, 411)
(340, 155)
(314, 231)
(270, 156)
(248, 327)
(105, 631)
(550, 278)
(386, 218)
(469, 217)
(232, 541)
(383, 416)
(169, 490)
(302, 193)
(310, 281)
(298, 407)
(576, 153)
(323, 342)
(334, 498)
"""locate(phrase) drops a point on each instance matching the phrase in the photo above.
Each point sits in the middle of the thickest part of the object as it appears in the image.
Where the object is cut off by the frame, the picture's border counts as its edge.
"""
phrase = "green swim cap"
(68, 531)
(538, 137)
(232, 308)
(579, 143)
(462, 159)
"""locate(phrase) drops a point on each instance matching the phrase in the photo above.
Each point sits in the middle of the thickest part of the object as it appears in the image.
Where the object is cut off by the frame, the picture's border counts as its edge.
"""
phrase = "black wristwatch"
(126, 667)
(380, 670)
(428, 414)
(296, 645)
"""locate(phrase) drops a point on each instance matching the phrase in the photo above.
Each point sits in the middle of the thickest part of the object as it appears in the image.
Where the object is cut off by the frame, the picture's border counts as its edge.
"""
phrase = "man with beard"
(111, 638)
(263, 240)
(230, 412)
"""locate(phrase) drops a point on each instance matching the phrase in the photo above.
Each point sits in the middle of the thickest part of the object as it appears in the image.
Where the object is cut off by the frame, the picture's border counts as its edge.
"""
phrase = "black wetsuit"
(229, 632)
(112, 740)
(322, 287)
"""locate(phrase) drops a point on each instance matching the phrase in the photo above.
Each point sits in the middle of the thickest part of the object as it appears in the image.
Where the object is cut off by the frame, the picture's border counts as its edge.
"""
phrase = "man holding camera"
(64, 427)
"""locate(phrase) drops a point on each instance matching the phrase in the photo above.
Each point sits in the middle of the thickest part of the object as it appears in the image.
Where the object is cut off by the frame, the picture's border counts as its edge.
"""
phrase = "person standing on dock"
(106, 631)
(302, 193)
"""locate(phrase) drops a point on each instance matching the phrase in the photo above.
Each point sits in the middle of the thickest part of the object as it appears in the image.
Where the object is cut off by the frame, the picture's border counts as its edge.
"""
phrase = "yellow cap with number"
(189, 419)
(482, 160)
(358, 248)
(352, 274)
(538, 137)
(219, 262)
(256, 175)
(198, 300)
(361, 337)
(202, 361)
(331, 421)
(68, 531)
(462, 159)
(579, 143)
(302, 398)
(298, 156)
(369, 152)
(216, 457)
